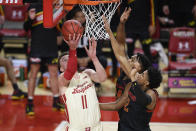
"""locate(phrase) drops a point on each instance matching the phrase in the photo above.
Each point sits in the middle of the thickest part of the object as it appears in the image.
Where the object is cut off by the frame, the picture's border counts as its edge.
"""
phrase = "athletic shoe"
(18, 94)
(57, 106)
(29, 110)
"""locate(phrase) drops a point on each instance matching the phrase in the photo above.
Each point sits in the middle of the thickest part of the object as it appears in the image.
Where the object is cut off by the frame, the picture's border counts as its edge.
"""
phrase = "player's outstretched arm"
(65, 77)
(115, 106)
(119, 50)
(99, 75)
(121, 35)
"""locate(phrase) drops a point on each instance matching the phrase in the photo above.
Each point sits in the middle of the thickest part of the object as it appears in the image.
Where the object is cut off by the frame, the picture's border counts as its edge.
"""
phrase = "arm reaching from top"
(72, 61)
(119, 49)
(121, 36)
(100, 74)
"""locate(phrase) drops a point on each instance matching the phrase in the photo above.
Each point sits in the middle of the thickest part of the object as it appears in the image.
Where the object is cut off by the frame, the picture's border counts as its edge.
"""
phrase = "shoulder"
(62, 82)
(89, 71)
(153, 96)
(151, 93)
(61, 76)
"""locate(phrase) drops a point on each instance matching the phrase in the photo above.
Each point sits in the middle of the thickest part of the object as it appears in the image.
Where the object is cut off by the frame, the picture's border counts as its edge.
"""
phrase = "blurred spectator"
(18, 93)
(182, 12)
(43, 50)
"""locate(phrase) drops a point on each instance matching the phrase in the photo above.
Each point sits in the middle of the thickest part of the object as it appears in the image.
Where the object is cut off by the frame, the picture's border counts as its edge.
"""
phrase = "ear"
(61, 69)
(147, 83)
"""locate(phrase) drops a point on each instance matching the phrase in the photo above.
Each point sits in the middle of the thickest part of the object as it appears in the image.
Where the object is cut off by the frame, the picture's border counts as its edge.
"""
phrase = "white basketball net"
(94, 23)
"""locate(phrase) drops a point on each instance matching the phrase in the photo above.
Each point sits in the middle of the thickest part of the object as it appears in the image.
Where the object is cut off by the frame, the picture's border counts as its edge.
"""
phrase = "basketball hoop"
(93, 14)
(93, 11)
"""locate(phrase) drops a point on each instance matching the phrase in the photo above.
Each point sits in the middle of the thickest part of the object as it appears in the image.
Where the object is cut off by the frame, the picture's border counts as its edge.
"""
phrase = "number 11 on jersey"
(84, 102)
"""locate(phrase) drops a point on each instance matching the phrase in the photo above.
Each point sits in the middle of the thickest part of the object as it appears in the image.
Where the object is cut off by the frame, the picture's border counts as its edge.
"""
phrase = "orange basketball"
(71, 27)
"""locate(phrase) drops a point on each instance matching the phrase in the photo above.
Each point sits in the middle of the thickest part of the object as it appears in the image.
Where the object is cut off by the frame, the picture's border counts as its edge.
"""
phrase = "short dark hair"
(73, 12)
(144, 61)
(59, 58)
(154, 77)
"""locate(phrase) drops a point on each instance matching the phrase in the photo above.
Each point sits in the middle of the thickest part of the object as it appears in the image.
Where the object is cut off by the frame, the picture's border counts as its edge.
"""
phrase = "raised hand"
(106, 24)
(73, 41)
(125, 15)
(133, 74)
(92, 49)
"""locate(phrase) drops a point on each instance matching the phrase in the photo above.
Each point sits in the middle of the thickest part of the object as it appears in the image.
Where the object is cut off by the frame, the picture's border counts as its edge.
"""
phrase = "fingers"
(104, 20)
(128, 12)
(125, 10)
(129, 9)
(90, 44)
(93, 42)
(106, 24)
(65, 40)
(74, 37)
(70, 37)
(78, 37)
(86, 49)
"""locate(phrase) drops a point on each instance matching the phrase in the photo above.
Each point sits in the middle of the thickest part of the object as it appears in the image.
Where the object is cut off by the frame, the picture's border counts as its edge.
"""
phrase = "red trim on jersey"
(64, 98)
(82, 101)
(85, 101)
(120, 87)
(133, 98)
(66, 110)
(67, 128)
(87, 129)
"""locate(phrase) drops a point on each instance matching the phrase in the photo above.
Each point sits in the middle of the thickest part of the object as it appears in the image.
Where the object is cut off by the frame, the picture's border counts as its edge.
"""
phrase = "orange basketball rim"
(55, 10)
(87, 2)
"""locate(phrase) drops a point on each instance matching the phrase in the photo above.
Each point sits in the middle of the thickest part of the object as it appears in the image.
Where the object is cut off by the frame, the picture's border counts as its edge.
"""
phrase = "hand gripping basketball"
(71, 27)
(73, 41)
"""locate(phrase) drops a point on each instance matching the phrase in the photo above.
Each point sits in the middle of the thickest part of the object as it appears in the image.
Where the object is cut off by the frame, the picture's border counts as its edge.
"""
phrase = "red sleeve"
(71, 65)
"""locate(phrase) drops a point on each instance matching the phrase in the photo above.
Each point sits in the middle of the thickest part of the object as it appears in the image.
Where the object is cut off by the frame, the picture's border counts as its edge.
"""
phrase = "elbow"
(103, 77)
(116, 108)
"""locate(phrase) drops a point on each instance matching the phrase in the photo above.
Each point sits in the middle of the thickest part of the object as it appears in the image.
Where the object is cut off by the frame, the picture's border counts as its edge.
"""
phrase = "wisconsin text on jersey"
(79, 88)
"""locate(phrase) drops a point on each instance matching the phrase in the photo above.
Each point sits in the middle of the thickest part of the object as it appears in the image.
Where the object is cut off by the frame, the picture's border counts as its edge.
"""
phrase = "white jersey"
(81, 103)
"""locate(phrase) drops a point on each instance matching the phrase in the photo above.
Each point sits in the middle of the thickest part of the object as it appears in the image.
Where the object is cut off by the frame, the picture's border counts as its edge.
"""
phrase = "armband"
(71, 65)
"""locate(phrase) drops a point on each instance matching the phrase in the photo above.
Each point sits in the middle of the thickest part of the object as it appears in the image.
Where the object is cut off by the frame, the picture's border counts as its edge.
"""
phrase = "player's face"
(79, 16)
(142, 78)
(134, 61)
(63, 62)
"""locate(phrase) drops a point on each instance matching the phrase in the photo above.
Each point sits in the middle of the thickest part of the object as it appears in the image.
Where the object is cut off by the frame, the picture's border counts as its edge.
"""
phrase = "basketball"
(71, 27)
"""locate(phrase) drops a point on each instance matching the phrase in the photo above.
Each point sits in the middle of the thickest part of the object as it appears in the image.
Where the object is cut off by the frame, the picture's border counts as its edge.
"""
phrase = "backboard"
(53, 11)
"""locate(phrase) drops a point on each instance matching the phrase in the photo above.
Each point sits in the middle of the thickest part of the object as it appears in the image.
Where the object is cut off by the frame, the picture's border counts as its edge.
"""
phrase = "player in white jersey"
(78, 91)
(82, 108)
